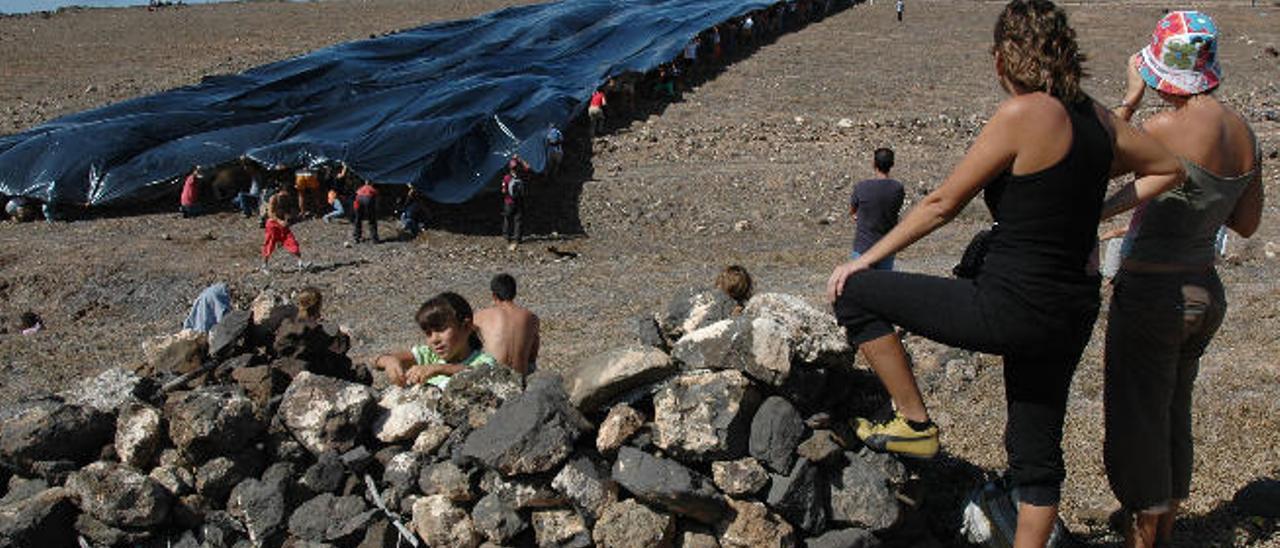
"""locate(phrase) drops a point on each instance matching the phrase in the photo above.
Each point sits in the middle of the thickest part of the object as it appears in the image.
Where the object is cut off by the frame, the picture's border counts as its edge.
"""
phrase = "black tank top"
(1047, 222)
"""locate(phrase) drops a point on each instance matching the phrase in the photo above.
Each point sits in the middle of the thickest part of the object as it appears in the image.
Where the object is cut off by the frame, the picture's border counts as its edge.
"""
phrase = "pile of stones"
(719, 426)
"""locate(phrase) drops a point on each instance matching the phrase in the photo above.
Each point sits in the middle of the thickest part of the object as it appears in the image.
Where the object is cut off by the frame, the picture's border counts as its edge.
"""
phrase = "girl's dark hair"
(445, 310)
(736, 283)
(1039, 49)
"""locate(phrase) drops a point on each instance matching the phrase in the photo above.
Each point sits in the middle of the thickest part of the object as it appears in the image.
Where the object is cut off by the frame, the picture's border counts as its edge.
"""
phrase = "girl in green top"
(446, 320)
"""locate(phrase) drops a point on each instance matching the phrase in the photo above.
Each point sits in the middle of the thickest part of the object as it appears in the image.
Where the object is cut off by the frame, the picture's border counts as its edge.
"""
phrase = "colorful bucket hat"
(1182, 58)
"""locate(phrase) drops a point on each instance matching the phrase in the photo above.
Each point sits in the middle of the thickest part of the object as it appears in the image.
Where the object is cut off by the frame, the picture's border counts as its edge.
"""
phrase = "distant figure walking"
(366, 208)
(509, 331)
(514, 188)
(595, 111)
(874, 207)
(555, 151)
(898, 6)
(1168, 302)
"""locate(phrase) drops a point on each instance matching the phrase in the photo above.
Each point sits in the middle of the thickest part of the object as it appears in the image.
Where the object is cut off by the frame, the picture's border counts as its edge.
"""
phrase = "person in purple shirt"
(874, 207)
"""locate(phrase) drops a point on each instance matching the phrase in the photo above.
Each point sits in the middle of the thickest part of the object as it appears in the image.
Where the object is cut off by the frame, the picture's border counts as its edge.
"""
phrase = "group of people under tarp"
(705, 52)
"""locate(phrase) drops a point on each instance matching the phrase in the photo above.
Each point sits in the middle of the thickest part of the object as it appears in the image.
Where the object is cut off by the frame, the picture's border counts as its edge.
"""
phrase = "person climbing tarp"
(418, 107)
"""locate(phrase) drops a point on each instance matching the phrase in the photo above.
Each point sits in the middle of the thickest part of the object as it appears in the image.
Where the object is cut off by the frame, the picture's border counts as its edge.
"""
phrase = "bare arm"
(419, 374)
(1156, 170)
(396, 364)
(537, 342)
(1247, 214)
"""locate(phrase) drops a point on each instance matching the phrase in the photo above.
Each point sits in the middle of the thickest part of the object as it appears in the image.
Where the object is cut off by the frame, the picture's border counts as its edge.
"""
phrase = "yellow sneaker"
(898, 437)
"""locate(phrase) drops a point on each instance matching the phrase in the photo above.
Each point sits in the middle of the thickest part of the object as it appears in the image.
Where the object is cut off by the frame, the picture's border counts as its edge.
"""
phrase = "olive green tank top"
(1180, 226)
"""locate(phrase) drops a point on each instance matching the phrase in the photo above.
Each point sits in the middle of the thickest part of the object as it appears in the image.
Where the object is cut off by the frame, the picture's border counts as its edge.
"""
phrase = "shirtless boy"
(508, 330)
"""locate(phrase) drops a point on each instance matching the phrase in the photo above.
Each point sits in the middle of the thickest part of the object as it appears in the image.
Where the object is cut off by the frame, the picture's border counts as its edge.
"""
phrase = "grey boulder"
(705, 416)
(211, 421)
(668, 484)
(776, 430)
(325, 413)
(531, 433)
(629, 524)
(600, 379)
(119, 496)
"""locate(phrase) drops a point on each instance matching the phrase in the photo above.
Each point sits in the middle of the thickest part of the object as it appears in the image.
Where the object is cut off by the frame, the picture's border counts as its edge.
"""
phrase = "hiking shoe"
(898, 437)
(304, 265)
(511, 246)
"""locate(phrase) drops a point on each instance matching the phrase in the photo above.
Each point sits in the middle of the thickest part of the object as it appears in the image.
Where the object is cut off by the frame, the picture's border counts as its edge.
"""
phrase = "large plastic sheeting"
(439, 107)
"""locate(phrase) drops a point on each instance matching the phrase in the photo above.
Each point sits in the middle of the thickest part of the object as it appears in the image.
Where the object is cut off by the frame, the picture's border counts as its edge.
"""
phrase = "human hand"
(1135, 86)
(419, 374)
(835, 284)
(395, 373)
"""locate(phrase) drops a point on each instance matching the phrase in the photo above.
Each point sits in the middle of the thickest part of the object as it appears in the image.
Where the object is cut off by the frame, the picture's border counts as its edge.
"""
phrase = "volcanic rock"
(476, 393)
(119, 496)
(588, 485)
(441, 523)
(705, 416)
(211, 421)
(45, 519)
(330, 519)
(629, 524)
(668, 484)
(327, 414)
(622, 422)
(739, 478)
(693, 308)
(405, 412)
(534, 432)
(138, 435)
(448, 480)
(55, 431)
(600, 379)
(776, 430)
(863, 496)
(800, 497)
(497, 521)
(753, 525)
(261, 506)
(560, 529)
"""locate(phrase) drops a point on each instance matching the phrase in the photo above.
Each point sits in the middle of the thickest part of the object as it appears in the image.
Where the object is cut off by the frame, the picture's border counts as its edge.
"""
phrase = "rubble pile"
(715, 428)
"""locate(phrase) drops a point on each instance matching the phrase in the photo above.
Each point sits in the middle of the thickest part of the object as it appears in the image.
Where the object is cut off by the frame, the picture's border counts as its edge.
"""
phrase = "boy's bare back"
(510, 334)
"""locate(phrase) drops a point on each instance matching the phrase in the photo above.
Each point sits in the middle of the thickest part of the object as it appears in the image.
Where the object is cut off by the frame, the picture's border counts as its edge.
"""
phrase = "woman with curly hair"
(1042, 163)
(1168, 301)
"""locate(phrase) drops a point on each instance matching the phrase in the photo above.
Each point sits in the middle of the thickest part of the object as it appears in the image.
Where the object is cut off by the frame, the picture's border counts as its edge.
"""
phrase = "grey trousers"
(1159, 326)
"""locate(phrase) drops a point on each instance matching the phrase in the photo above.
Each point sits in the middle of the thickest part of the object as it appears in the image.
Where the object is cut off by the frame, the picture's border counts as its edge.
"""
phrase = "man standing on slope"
(874, 207)
(508, 330)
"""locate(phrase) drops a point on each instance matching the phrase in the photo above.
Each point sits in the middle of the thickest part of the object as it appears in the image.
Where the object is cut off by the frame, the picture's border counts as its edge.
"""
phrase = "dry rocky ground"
(752, 167)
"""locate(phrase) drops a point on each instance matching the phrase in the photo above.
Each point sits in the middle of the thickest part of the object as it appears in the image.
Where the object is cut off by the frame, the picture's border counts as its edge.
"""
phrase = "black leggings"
(1040, 354)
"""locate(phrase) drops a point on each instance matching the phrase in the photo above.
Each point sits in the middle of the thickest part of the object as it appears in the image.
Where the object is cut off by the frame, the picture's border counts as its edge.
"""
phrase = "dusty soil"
(751, 167)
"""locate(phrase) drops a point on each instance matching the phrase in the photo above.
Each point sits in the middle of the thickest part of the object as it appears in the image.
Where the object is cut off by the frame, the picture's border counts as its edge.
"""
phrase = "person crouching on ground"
(509, 331)
(1043, 163)
(447, 322)
(276, 232)
(1168, 301)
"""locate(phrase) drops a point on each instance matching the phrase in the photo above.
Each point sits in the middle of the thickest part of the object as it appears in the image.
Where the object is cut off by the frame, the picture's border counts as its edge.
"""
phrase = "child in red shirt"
(276, 233)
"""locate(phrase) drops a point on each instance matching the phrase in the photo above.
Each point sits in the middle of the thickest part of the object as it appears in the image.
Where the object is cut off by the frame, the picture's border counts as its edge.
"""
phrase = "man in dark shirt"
(874, 207)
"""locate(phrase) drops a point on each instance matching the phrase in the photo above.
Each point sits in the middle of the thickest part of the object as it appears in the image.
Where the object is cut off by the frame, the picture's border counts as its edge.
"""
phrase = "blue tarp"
(417, 107)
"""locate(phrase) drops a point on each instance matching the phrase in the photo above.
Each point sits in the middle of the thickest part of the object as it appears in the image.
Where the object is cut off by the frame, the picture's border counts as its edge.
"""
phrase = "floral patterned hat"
(1182, 58)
